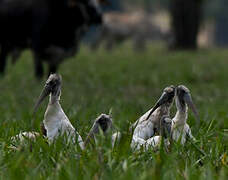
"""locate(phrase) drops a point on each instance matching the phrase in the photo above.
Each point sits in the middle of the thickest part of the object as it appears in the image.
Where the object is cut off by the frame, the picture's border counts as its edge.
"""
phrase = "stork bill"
(52, 87)
(166, 98)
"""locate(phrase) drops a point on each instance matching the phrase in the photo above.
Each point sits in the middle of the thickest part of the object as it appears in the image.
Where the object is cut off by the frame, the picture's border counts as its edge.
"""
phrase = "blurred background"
(54, 36)
(180, 24)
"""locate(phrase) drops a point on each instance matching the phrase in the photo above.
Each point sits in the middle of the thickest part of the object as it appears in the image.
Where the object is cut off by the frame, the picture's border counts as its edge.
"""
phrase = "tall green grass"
(129, 83)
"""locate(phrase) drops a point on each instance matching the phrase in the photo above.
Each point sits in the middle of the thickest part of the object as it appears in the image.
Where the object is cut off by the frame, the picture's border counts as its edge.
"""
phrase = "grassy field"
(129, 83)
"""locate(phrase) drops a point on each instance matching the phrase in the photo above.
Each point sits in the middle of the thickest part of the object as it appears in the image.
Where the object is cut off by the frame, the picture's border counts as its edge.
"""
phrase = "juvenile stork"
(55, 121)
(103, 124)
(155, 141)
(150, 123)
(180, 129)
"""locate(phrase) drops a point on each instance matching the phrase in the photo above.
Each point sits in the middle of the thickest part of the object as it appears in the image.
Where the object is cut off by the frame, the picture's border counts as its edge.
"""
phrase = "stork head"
(183, 98)
(52, 86)
(104, 122)
(166, 124)
(166, 98)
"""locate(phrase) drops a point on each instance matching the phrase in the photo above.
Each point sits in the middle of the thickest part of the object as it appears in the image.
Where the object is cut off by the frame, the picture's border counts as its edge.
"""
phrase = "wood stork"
(180, 128)
(32, 135)
(155, 141)
(55, 121)
(102, 123)
(150, 123)
(165, 133)
(116, 138)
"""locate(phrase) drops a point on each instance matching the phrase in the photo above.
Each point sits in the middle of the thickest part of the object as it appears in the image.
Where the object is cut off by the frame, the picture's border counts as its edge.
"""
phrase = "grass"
(129, 83)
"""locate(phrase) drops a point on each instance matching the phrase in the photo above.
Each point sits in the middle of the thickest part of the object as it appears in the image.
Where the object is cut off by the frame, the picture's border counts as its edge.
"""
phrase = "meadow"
(128, 83)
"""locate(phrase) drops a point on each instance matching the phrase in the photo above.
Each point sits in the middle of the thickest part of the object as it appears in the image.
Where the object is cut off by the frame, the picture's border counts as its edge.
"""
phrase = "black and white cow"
(50, 28)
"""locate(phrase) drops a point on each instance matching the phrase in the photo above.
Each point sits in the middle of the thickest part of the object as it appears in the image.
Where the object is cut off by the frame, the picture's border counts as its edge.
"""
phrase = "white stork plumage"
(165, 133)
(55, 121)
(176, 128)
(32, 135)
(150, 123)
(180, 129)
(155, 141)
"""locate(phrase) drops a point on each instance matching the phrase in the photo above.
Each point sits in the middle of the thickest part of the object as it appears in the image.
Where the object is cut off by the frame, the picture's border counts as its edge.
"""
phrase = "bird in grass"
(102, 124)
(150, 123)
(176, 128)
(55, 121)
(165, 133)
(32, 135)
(180, 130)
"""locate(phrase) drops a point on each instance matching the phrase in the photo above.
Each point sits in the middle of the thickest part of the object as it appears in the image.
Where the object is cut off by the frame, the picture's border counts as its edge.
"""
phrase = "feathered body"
(150, 123)
(32, 135)
(55, 122)
(146, 128)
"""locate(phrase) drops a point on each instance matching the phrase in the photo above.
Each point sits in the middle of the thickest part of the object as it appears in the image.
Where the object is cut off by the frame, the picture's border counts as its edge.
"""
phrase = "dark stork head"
(184, 99)
(165, 99)
(102, 123)
(52, 86)
(166, 124)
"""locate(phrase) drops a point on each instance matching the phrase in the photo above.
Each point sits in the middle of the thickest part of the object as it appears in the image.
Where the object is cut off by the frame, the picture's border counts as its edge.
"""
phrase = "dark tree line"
(221, 23)
(186, 17)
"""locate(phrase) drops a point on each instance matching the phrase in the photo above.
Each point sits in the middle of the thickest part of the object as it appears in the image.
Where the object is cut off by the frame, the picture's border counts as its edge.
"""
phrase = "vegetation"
(129, 83)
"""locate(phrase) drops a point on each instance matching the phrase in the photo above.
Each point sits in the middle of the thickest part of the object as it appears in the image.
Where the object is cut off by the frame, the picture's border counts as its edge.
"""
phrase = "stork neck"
(53, 114)
(54, 99)
(181, 115)
(162, 110)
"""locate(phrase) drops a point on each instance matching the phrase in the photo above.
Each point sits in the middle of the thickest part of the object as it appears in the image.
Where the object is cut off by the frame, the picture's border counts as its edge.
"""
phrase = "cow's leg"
(139, 42)
(52, 68)
(39, 71)
(37, 41)
(3, 55)
(98, 41)
(109, 43)
(16, 53)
